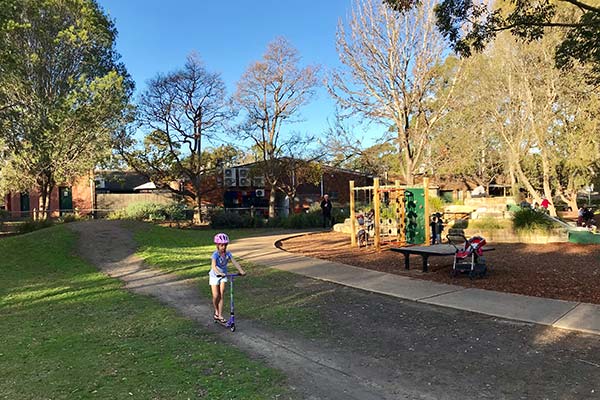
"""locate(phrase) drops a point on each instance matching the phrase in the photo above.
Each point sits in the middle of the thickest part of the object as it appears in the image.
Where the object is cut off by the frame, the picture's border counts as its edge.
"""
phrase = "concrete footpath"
(562, 314)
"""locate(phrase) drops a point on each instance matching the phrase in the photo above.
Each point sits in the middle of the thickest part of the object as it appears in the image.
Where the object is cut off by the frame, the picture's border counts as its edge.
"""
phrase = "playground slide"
(560, 222)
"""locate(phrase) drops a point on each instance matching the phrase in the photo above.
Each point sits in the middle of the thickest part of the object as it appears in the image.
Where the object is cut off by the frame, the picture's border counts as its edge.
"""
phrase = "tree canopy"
(392, 74)
(63, 91)
(178, 110)
(269, 95)
(471, 25)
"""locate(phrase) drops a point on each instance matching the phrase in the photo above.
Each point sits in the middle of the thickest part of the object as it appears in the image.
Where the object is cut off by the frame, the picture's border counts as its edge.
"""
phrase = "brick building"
(64, 198)
(243, 191)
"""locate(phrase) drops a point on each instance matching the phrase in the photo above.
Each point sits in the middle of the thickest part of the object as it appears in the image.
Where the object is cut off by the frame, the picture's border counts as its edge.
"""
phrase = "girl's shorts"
(215, 281)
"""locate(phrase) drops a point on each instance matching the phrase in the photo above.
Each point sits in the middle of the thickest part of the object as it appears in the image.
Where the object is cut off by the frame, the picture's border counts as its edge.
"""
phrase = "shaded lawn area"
(565, 271)
(68, 331)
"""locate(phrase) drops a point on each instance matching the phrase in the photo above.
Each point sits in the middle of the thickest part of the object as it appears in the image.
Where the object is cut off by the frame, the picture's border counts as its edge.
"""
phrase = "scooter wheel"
(232, 328)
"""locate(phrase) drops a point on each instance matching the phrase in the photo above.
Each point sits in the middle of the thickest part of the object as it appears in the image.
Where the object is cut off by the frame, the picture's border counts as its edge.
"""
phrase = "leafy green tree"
(537, 121)
(180, 110)
(62, 91)
(471, 25)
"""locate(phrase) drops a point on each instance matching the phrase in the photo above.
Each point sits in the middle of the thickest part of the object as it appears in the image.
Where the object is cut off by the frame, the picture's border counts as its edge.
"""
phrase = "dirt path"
(313, 373)
(381, 347)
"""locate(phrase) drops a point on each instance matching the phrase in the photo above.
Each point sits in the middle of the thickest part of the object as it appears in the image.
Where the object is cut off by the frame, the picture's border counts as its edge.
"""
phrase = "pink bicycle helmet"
(221, 238)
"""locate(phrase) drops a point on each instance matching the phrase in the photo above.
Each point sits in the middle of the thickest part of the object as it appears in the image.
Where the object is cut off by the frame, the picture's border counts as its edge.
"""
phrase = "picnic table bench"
(428, 251)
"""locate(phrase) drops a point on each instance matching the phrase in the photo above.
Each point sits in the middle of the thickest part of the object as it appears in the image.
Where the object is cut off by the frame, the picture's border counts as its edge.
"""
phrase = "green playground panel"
(415, 221)
(583, 237)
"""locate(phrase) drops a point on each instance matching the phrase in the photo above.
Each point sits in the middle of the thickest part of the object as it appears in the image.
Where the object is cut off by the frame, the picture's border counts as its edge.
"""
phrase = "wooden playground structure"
(410, 220)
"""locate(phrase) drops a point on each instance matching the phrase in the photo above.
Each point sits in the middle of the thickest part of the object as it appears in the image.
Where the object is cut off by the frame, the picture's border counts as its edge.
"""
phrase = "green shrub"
(436, 204)
(145, 211)
(460, 224)
(340, 214)
(275, 222)
(117, 214)
(4, 214)
(226, 219)
(489, 223)
(310, 219)
(69, 218)
(31, 226)
(176, 211)
(530, 220)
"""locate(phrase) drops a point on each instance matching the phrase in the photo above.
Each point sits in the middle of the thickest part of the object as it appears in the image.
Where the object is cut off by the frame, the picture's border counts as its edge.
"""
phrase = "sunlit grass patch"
(68, 331)
(270, 296)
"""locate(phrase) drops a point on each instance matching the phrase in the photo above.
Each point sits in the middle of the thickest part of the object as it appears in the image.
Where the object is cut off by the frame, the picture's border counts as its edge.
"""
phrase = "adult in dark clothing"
(326, 207)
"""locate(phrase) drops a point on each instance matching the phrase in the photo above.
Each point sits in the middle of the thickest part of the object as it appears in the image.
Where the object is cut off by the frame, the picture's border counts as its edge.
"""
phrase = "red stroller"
(468, 259)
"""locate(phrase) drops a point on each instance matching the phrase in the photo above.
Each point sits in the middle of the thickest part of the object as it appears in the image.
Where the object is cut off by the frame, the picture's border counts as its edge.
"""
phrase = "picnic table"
(428, 251)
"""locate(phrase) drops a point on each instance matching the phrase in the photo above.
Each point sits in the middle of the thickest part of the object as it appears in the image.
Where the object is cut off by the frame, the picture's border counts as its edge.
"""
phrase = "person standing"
(326, 208)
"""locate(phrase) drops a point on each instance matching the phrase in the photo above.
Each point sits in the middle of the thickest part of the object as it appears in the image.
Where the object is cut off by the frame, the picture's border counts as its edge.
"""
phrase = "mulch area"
(565, 271)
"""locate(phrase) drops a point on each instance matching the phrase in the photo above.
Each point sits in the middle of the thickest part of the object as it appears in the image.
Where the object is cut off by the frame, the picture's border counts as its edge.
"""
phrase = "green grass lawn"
(280, 299)
(70, 332)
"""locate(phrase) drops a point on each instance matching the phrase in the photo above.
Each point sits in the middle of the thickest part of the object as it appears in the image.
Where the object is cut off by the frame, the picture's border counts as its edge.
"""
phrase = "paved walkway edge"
(561, 314)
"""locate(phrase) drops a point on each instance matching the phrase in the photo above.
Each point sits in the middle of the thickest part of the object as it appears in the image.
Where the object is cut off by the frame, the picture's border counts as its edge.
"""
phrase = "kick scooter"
(231, 322)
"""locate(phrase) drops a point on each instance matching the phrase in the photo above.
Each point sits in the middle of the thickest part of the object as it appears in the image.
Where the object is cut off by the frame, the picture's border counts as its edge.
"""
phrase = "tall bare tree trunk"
(272, 202)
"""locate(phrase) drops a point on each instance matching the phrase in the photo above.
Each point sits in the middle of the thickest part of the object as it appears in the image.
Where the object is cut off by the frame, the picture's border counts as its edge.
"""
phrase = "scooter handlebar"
(230, 275)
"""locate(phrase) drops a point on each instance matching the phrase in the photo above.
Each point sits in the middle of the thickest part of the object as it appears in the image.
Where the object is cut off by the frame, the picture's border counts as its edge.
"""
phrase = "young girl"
(218, 270)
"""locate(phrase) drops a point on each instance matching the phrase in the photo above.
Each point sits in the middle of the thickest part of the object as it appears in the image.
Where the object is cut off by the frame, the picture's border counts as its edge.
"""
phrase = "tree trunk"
(569, 197)
(45, 188)
(546, 184)
(272, 202)
(198, 203)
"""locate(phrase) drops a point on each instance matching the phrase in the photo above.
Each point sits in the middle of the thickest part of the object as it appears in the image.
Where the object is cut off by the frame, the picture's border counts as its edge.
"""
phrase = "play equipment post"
(376, 200)
(411, 206)
(352, 214)
(426, 200)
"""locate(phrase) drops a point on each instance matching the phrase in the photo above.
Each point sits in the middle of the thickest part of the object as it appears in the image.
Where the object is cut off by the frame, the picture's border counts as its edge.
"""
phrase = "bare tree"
(392, 74)
(270, 94)
(179, 109)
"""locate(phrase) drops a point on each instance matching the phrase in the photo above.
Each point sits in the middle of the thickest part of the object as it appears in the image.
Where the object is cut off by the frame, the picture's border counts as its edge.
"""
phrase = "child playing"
(433, 226)
(218, 270)
(439, 228)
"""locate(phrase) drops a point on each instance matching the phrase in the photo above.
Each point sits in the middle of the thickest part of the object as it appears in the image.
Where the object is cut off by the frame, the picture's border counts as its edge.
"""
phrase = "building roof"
(118, 181)
(145, 186)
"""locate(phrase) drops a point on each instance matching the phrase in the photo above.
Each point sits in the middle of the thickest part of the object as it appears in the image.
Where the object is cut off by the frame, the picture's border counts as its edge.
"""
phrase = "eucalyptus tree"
(392, 74)
(465, 145)
(558, 111)
(269, 95)
(62, 91)
(471, 25)
(178, 110)
(538, 121)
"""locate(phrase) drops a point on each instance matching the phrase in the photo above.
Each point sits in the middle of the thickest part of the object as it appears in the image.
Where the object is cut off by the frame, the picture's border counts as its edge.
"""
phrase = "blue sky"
(157, 35)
